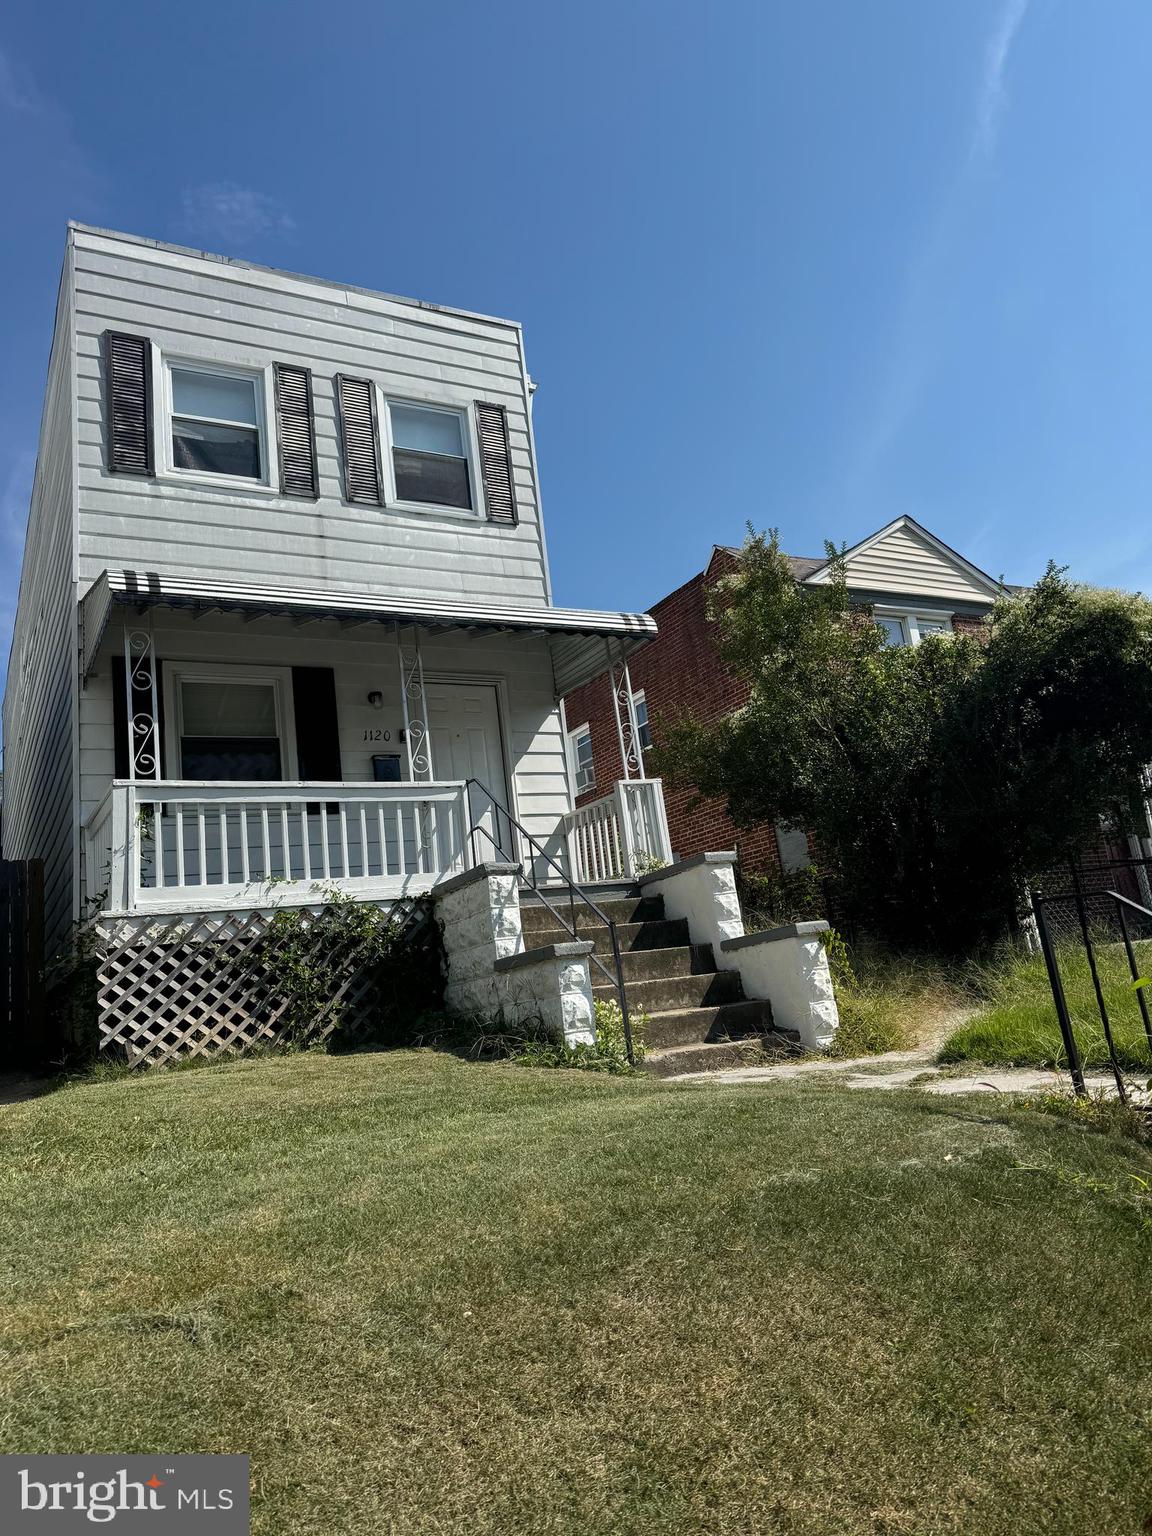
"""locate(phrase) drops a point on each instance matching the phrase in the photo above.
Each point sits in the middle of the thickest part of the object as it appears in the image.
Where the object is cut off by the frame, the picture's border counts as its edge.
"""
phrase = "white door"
(464, 726)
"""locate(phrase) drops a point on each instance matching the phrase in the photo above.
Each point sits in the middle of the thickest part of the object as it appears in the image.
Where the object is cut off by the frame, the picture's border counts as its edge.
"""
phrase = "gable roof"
(905, 557)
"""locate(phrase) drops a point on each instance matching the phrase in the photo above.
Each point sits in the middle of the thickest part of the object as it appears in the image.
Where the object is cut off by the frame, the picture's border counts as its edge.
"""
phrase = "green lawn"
(1018, 1022)
(435, 1297)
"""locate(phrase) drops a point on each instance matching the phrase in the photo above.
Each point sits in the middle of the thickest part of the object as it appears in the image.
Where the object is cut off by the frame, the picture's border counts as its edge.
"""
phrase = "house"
(285, 627)
(910, 580)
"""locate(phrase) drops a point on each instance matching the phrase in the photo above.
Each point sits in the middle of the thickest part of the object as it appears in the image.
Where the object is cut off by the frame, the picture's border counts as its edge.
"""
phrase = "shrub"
(608, 1054)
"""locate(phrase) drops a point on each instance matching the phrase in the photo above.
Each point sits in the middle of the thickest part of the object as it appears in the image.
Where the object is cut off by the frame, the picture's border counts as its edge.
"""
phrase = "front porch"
(159, 845)
(248, 748)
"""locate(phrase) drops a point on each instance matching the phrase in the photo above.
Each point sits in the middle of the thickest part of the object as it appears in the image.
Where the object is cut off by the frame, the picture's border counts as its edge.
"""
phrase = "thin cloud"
(238, 216)
(76, 181)
(993, 96)
(914, 354)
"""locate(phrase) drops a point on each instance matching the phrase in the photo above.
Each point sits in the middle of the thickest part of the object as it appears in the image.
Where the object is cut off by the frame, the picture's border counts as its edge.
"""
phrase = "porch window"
(911, 628)
(216, 422)
(583, 768)
(430, 455)
(230, 729)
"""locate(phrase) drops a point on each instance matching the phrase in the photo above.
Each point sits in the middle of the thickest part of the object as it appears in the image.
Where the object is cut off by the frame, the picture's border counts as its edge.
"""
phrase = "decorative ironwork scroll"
(627, 726)
(415, 702)
(143, 704)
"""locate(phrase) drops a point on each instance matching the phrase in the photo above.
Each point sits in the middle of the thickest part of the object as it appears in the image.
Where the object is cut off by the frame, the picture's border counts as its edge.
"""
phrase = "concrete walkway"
(908, 1069)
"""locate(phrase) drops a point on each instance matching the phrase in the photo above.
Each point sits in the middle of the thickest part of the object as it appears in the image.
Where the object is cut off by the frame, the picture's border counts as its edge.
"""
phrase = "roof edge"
(76, 227)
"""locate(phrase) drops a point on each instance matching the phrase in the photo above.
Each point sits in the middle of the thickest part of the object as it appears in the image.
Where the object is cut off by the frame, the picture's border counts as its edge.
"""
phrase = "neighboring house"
(285, 617)
(912, 582)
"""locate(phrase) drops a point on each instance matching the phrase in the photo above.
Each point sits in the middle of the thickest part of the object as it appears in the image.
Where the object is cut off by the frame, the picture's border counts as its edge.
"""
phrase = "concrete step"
(716, 1021)
(664, 994)
(662, 964)
(624, 909)
(720, 1055)
(668, 933)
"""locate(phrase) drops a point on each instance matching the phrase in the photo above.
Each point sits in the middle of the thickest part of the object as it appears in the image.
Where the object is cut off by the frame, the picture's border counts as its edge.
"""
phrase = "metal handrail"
(574, 891)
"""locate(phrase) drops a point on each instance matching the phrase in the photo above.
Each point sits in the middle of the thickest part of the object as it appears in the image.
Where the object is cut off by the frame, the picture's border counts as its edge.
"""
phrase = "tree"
(937, 779)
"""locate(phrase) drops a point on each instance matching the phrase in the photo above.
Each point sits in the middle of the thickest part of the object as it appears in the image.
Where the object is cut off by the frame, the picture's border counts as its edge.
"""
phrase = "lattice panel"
(206, 985)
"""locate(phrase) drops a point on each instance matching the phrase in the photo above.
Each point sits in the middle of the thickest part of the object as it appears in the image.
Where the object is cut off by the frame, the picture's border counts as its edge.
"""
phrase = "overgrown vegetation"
(527, 1042)
(887, 1001)
(1016, 1023)
(1096, 1112)
(608, 1054)
(309, 955)
(429, 1296)
(936, 778)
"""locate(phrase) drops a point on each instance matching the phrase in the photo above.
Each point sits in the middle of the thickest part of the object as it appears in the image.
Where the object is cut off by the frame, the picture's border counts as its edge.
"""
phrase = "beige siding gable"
(904, 560)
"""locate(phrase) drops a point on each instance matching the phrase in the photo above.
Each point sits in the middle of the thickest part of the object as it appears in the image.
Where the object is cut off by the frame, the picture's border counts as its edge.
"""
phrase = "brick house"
(913, 583)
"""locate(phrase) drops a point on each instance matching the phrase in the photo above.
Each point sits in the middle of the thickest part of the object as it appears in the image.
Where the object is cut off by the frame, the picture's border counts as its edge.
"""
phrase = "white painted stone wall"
(480, 918)
(789, 967)
(556, 989)
(703, 890)
(479, 914)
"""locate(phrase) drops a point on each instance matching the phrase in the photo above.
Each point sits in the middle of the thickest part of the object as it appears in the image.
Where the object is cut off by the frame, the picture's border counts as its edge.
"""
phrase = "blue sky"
(810, 264)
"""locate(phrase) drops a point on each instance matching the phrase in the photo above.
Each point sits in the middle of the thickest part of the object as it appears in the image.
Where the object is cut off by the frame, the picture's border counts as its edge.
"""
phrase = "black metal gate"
(1102, 911)
(22, 1024)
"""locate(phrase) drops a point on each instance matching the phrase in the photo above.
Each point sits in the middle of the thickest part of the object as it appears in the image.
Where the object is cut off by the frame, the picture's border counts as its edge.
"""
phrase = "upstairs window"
(911, 628)
(216, 422)
(643, 733)
(583, 769)
(430, 455)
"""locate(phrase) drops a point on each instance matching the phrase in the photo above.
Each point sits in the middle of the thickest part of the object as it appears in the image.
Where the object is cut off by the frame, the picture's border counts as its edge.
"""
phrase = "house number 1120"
(377, 735)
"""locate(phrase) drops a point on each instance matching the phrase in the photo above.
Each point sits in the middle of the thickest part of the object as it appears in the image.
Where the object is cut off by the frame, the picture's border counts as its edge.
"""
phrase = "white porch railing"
(201, 846)
(620, 836)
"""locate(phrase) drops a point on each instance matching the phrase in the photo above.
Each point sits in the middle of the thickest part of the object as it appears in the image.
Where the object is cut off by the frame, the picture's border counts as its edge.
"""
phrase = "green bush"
(772, 897)
(608, 1054)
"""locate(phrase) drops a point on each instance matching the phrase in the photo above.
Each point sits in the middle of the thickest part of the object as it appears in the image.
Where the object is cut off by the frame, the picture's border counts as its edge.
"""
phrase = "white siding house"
(285, 593)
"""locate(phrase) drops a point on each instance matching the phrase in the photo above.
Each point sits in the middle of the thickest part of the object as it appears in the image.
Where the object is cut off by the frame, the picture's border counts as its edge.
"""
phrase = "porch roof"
(577, 636)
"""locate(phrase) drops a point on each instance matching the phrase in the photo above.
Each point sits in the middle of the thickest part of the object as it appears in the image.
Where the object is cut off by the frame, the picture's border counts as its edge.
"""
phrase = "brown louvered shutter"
(295, 431)
(359, 440)
(495, 463)
(128, 390)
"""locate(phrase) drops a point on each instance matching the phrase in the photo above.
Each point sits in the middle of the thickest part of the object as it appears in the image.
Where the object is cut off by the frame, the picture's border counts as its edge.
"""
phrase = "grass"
(889, 1002)
(1017, 1023)
(431, 1296)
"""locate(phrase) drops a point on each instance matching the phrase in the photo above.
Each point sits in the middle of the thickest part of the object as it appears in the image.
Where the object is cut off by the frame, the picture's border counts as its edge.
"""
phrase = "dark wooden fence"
(22, 1022)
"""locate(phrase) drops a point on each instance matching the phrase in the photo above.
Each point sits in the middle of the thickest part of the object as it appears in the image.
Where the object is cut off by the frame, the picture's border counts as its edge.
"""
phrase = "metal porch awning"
(578, 637)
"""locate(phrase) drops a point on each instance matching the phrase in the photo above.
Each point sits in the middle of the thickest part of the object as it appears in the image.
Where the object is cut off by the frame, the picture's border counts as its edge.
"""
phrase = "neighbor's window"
(911, 628)
(642, 730)
(216, 423)
(229, 730)
(583, 771)
(430, 455)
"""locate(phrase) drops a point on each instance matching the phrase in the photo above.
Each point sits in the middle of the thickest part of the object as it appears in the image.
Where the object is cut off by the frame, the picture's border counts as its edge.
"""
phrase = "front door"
(464, 727)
